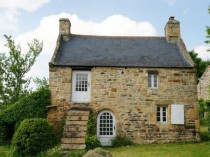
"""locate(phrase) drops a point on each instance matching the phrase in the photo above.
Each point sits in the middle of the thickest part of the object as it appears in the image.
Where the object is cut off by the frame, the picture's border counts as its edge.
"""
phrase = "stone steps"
(75, 130)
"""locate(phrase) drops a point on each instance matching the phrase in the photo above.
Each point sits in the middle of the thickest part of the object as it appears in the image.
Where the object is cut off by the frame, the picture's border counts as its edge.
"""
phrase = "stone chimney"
(64, 27)
(172, 30)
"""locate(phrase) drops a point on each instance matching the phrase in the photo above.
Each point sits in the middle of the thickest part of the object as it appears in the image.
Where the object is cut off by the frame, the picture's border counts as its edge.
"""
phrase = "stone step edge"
(73, 140)
(67, 147)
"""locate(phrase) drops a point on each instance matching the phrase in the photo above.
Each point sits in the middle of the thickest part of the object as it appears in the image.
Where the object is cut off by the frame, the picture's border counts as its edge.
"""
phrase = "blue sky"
(27, 19)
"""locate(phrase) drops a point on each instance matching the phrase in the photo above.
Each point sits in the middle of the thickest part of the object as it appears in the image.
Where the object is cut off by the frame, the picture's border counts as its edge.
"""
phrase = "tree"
(201, 65)
(208, 32)
(13, 68)
(41, 83)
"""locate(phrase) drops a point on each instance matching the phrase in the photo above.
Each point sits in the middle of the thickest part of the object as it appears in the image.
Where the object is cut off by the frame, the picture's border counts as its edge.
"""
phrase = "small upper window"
(161, 114)
(152, 80)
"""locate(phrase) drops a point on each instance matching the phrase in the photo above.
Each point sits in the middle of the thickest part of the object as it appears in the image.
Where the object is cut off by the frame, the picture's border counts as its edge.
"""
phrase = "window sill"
(152, 91)
(162, 123)
(81, 102)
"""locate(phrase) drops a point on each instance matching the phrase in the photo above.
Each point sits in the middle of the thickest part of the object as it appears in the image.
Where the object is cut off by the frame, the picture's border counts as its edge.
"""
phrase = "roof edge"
(184, 52)
(56, 50)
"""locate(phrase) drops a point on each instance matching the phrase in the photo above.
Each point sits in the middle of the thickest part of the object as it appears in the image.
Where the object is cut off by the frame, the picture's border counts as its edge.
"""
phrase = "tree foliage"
(13, 68)
(208, 32)
(41, 83)
(201, 65)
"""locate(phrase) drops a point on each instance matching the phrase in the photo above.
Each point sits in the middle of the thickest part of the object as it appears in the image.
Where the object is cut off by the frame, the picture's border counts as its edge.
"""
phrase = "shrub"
(202, 110)
(34, 136)
(3, 133)
(91, 125)
(31, 106)
(121, 141)
(92, 142)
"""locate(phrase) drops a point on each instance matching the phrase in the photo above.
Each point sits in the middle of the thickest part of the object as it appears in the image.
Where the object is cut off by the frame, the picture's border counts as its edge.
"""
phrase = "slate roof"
(81, 50)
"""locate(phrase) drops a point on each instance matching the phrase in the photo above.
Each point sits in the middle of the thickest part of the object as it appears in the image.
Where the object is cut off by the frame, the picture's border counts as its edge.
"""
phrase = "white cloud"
(26, 5)
(202, 52)
(48, 31)
(8, 21)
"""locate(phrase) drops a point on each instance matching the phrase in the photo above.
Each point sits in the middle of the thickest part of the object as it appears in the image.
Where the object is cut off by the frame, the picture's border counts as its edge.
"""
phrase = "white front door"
(105, 127)
(81, 86)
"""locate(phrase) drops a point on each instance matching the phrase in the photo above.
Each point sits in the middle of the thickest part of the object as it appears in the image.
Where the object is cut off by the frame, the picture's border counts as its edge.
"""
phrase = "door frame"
(98, 127)
(73, 98)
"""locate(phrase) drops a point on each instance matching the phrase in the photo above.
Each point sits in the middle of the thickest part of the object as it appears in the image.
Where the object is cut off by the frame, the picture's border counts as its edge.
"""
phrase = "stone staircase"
(75, 130)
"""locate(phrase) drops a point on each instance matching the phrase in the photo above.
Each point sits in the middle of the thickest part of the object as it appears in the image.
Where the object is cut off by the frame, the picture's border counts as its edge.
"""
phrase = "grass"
(145, 150)
(163, 150)
(204, 133)
(167, 150)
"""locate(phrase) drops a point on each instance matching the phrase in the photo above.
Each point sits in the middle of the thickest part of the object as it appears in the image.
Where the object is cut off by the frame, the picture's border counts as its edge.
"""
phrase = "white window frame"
(151, 81)
(161, 114)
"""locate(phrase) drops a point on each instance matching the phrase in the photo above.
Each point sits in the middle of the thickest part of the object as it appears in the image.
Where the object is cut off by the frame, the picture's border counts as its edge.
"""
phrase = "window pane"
(155, 80)
(164, 109)
(164, 113)
(164, 119)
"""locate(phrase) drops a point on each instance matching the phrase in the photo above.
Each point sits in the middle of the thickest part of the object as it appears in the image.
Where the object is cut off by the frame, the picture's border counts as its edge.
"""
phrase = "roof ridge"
(106, 36)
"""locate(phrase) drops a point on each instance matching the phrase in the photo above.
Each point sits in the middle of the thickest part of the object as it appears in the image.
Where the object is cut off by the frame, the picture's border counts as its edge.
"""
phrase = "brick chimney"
(172, 30)
(64, 27)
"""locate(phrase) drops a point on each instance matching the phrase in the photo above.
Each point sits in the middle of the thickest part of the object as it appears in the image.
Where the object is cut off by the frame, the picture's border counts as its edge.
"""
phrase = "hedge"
(32, 106)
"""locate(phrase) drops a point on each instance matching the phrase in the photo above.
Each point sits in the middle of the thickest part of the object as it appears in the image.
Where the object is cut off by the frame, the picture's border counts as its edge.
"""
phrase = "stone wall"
(60, 87)
(204, 85)
(124, 91)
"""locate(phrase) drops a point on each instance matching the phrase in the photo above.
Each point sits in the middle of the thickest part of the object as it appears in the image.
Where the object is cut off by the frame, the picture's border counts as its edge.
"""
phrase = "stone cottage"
(204, 85)
(142, 88)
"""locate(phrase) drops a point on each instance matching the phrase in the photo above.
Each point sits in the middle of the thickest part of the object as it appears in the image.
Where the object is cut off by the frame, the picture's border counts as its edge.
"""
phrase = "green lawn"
(166, 150)
(146, 150)
(163, 150)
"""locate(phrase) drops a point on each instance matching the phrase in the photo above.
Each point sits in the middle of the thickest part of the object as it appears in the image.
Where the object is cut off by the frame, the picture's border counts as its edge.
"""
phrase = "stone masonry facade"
(125, 92)
(204, 85)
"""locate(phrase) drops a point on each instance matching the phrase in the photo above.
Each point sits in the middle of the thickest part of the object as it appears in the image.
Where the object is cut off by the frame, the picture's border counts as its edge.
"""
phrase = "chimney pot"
(171, 18)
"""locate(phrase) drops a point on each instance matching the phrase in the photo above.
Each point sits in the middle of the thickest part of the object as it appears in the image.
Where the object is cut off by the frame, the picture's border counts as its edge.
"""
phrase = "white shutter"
(177, 114)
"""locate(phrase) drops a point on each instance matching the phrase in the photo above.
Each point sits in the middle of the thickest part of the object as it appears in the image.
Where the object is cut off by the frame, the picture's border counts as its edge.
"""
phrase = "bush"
(91, 125)
(34, 136)
(92, 142)
(32, 106)
(3, 133)
(121, 141)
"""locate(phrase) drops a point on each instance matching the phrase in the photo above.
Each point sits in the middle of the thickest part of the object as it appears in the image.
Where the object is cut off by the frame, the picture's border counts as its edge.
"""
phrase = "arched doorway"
(105, 127)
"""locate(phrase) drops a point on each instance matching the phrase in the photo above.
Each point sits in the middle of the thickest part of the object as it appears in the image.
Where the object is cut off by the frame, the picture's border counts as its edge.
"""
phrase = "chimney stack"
(64, 27)
(172, 30)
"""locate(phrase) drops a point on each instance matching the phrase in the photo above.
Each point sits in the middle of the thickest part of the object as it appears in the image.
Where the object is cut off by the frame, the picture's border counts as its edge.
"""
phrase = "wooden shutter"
(177, 114)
